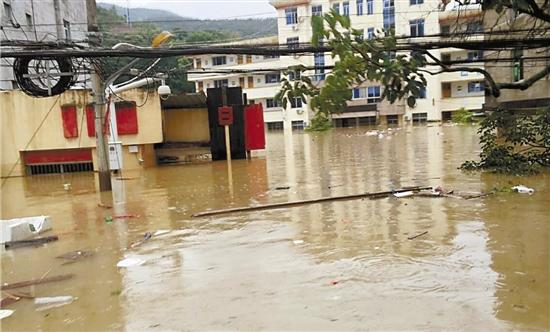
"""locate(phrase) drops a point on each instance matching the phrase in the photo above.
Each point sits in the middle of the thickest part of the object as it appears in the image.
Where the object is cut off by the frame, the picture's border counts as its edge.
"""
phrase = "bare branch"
(525, 83)
(495, 91)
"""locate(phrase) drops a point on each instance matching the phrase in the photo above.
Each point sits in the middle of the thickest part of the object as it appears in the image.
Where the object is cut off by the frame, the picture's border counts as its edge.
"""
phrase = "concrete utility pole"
(99, 103)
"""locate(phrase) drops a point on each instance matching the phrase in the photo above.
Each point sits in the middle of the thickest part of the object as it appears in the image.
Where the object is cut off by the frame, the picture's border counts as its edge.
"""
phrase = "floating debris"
(523, 189)
(404, 194)
(5, 313)
(130, 262)
(77, 254)
(45, 303)
(298, 242)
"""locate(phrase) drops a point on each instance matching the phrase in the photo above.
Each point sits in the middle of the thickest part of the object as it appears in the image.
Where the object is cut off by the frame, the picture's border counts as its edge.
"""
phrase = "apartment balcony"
(263, 92)
(278, 4)
(474, 102)
(460, 76)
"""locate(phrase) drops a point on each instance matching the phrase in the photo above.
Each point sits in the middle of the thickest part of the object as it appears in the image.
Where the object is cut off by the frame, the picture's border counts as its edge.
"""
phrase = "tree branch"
(536, 11)
(525, 83)
(495, 89)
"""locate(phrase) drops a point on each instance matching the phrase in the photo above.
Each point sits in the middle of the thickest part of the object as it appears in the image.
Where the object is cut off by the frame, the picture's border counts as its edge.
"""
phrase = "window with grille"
(272, 103)
(291, 15)
(419, 117)
(345, 8)
(370, 7)
(317, 10)
(476, 86)
(293, 42)
(275, 125)
(296, 102)
(272, 78)
(417, 27)
(298, 125)
(219, 60)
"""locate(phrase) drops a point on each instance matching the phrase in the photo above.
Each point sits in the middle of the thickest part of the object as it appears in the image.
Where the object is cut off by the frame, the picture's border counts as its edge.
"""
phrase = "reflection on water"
(339, 265)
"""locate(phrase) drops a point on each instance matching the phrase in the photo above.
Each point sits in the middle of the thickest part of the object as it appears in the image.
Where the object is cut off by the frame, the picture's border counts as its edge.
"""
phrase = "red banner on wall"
(70, 121)
(254, 127)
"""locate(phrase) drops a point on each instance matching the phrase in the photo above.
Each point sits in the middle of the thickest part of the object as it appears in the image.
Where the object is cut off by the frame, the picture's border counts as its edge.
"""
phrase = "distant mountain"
(170, 21)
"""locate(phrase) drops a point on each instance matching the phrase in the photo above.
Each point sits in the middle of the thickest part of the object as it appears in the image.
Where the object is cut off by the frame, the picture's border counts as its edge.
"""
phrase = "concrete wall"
(22, 116)
(47, 25)
(186, 125)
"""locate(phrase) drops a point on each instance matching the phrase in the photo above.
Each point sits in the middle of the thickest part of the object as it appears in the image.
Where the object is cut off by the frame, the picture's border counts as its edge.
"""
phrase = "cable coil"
(26, 66)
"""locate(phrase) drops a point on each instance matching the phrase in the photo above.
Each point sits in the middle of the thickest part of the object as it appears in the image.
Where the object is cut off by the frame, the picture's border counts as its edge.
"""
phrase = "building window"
(271, 56)
(293, 75)
(67, 29)
(476, 26)
(370, 7)
(345, 8)
(319, 59)
(272, 78)
(221, 83)
(292, 42)
(336, 7)
(417, 27)
(517, 69)
(29, 20)
(445, 57)
(298, 125)
(475, 87)
(198, 64)
(296, 102)
(445, 30)
(370, 33)
(372, 94)
(291, 15)
(422, 93)
(475, 55)
(8, 15)
(317, 10)
(275, 125)
(272, 103)
(360, 7)
(388, 13)
(392, 119)
(366, 121)
(219, 60)
(419, 117)
(416, 2)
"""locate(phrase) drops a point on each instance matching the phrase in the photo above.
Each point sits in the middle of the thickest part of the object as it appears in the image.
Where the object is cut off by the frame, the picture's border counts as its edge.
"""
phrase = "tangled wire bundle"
(37, 84)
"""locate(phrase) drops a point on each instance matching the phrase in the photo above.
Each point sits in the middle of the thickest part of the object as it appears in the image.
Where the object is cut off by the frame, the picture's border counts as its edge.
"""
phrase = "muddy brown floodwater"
(345, 265)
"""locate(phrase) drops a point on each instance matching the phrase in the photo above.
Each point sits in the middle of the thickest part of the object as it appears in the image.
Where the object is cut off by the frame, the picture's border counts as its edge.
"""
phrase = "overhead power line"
(275, 49)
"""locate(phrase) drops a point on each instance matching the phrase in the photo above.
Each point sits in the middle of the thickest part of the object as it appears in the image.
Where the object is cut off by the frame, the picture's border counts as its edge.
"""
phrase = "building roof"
(184, 100)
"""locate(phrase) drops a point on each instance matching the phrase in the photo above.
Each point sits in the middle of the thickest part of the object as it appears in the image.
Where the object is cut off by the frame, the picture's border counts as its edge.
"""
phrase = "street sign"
(225, 115)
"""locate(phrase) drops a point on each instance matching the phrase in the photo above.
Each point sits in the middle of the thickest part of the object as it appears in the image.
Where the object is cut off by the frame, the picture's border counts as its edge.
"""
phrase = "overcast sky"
(204, 8)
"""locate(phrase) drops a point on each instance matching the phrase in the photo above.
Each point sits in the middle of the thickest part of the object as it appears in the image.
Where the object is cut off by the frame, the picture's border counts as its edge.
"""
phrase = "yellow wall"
(186, 125)
(21, 116)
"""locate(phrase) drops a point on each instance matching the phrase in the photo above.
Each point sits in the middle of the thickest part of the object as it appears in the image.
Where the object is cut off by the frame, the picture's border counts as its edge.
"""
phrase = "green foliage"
(114, 30)
(462, 116)
(320, 122)
(359, 60)
(515, 143)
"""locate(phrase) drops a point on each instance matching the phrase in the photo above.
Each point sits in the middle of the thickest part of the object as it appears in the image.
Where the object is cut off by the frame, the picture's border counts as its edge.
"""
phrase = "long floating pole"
(308, 201)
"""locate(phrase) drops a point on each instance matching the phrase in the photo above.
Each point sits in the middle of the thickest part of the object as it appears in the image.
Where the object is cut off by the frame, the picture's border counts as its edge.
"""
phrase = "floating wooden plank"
(36, 281)
(30, 242)
(417, 235)
(309, 201)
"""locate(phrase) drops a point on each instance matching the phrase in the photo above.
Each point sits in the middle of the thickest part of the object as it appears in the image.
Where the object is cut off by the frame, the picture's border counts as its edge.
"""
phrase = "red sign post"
(225, 115)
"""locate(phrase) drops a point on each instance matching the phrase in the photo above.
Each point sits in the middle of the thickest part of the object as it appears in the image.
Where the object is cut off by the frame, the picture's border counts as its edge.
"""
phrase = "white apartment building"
(260, 85)
(39, 20)
(444, 93)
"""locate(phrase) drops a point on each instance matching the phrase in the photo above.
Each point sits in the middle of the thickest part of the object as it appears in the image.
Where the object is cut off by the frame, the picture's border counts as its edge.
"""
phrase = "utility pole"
(98, 92)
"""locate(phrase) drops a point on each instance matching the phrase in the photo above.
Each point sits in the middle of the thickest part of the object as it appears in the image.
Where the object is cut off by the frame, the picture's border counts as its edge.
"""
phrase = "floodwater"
(343, 265)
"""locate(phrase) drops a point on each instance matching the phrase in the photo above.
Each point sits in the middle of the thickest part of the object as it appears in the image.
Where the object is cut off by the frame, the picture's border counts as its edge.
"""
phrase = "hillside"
(170, 21)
